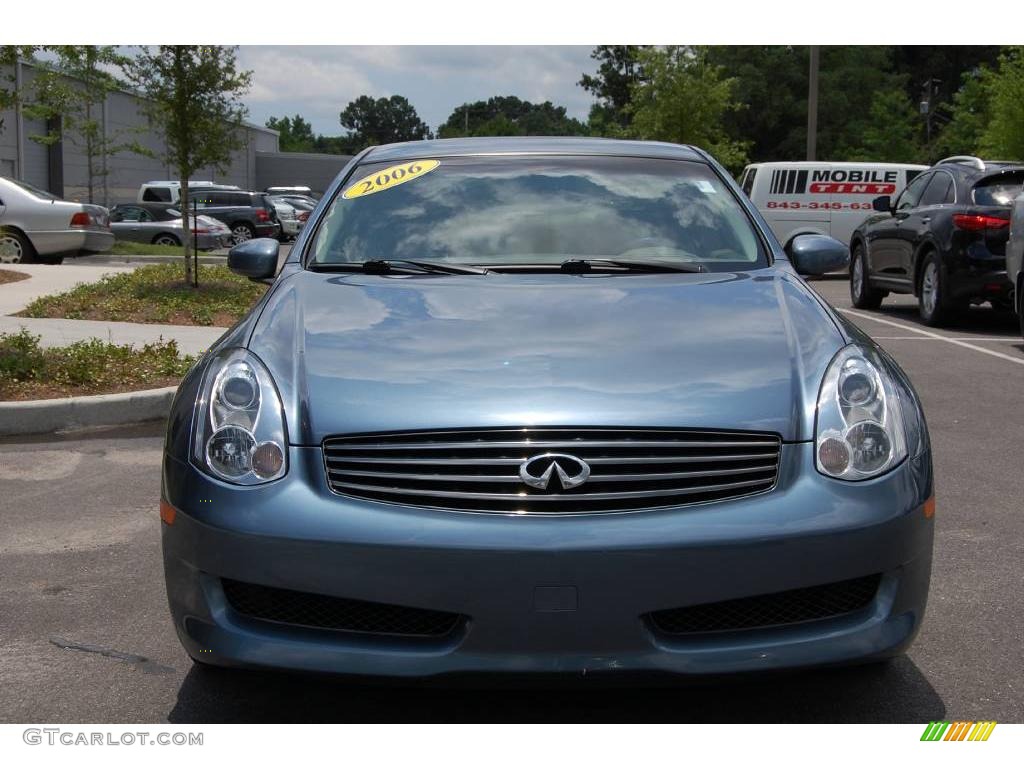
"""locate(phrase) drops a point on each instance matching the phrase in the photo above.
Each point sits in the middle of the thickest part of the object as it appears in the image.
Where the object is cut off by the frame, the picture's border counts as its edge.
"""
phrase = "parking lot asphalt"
(85, 635)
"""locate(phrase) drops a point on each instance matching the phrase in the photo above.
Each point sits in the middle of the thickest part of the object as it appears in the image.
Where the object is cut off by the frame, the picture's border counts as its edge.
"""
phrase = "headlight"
(859, 422)
(238, 429)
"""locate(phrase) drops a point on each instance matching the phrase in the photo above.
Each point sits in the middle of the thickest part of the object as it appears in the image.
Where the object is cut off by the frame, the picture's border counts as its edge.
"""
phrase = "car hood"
(361, 353)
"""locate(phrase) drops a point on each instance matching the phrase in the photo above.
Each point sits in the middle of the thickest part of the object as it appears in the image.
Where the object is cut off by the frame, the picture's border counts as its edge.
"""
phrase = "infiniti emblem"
(536, 471)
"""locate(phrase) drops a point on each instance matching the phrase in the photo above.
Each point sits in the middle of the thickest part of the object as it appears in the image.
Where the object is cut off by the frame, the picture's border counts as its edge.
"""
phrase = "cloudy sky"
(318, 81)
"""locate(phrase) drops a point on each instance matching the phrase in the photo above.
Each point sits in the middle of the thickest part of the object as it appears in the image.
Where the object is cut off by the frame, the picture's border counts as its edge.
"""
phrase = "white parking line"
(931, 335)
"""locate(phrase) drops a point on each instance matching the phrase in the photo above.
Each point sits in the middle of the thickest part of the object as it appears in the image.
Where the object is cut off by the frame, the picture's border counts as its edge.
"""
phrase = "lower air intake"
(779, 609)
(304, 609)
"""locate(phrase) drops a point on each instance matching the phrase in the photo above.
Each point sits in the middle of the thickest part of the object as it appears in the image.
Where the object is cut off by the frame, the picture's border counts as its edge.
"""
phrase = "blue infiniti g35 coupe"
(544, 406)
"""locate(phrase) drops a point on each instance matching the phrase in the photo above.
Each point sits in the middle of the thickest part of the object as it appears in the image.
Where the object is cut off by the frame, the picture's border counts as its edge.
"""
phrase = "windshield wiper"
(384, 266)
(578, 266)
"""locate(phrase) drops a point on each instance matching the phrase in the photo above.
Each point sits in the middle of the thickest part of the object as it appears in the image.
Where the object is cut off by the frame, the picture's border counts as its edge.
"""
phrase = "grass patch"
(156, 293)
(7, 276)
(31, 372)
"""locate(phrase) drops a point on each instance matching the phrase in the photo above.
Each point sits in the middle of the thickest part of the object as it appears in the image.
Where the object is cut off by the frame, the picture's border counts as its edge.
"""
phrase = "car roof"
(530, 145)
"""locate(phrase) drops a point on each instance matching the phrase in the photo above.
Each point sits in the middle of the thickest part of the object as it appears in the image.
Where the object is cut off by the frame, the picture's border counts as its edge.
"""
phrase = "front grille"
(795, 606)
(286, 606)
(478, 470)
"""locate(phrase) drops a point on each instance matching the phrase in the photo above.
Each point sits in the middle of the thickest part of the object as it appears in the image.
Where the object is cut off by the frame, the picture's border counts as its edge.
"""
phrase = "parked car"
(304, 191)
(302, 206)
(543, 405)
(943, 239)
(160, 224)
(298, 202)
(36, 226)
(289, 219)
(801, 198)
(247, 214)
(170, 191)
(1015, 258)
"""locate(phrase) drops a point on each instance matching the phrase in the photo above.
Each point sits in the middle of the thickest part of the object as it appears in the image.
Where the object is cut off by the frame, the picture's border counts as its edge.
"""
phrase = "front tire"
(862, 294)
(934, 304)
(15, 248)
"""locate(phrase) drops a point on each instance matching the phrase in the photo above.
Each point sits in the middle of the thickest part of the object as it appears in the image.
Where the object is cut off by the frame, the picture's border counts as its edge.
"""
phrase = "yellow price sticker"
(390, 177)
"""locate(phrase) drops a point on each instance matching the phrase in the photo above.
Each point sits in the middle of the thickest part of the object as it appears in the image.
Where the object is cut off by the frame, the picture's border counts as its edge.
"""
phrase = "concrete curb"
(28, 417)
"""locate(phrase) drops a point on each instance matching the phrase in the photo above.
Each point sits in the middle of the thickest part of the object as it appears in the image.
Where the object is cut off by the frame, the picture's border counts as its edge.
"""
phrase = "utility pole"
(812, 105)
(931, 90)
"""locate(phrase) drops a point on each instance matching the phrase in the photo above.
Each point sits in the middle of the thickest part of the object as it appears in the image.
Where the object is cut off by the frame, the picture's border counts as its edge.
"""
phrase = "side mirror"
(817, 254)
(255, 259)
(882, 204)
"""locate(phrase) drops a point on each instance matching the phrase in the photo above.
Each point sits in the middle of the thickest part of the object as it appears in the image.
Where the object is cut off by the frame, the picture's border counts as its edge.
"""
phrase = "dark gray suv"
(247, 214)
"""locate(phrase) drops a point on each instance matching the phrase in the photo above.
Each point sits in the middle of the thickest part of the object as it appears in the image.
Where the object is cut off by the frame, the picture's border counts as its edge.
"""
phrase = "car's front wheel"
(15, 248)
(242, 233)
(934, 304)
(862, 293)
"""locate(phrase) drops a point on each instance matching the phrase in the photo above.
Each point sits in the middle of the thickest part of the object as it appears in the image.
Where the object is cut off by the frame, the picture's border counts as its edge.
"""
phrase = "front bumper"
(296, 534)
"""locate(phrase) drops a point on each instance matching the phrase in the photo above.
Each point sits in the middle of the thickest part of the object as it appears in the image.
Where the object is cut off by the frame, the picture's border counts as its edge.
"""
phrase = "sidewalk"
(55, 332)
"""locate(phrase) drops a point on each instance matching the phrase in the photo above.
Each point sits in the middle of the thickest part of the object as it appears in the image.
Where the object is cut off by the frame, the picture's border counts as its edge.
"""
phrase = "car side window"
(912, 194)
(938, 191)
(748, 181)
(156, 195)
(130, 213)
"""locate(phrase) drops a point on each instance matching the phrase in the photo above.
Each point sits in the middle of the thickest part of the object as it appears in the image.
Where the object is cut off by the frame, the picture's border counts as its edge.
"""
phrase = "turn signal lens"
(167, 512)
(929, 507)
(267, 459)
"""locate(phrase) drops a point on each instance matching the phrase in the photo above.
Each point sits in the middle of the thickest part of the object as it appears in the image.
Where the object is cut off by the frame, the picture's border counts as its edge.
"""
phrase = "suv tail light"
(262, 214)
(80, 219)
(303, 215)
(978, 222)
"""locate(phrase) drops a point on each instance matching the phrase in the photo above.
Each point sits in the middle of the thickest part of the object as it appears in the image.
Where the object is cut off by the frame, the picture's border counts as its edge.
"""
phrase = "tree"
(70, 95)
(969, 116)
(618, 71)
(684, 99)
(1003, 137)
(510, 116)
(9, 56)
(193, 94)
(893, 132)
(382, 121)
(296, 134)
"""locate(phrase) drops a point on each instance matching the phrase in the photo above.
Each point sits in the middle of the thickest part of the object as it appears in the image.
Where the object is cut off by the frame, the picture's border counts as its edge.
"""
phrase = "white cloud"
(318, 81)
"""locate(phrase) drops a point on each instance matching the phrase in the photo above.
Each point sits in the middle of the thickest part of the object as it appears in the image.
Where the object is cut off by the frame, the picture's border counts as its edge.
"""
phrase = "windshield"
(538, 210)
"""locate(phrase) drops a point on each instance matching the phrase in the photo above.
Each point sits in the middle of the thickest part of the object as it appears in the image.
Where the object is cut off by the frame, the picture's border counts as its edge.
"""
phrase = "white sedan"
(36, 226)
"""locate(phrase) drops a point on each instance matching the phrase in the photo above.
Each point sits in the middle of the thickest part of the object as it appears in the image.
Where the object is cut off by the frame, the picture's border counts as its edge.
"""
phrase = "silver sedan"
(160, 224)
(38, 226)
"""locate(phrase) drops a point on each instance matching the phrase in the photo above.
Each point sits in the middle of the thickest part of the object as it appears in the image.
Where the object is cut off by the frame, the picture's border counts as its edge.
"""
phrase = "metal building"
(61, 168)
